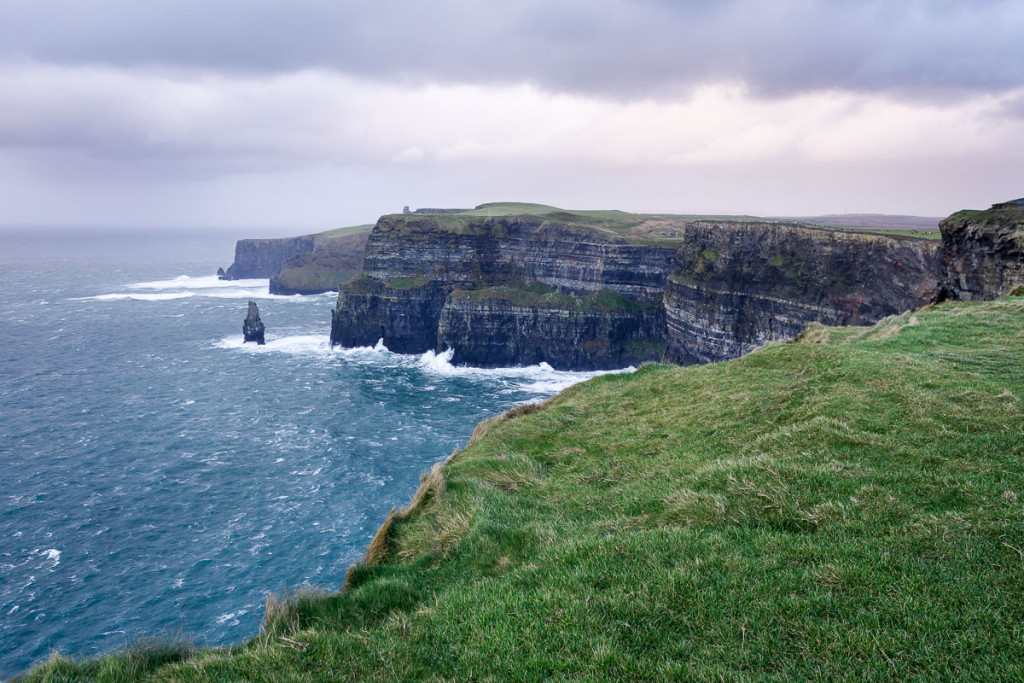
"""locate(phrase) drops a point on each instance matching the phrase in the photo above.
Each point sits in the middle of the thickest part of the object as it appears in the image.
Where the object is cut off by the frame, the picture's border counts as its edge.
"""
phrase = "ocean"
(160, 477)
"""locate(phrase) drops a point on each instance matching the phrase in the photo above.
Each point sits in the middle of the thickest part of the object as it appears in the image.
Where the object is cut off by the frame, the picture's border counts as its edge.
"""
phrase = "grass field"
(654, 229)
(849, 505)
(345, 232)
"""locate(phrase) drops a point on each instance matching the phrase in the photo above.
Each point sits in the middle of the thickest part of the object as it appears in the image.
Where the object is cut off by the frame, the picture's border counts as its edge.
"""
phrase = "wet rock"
(252, 328)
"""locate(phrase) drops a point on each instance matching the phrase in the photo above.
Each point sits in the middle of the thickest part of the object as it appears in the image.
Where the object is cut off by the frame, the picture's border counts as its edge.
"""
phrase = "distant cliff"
(310, 264)
(333, 261)
(265, 258)
(593, 290)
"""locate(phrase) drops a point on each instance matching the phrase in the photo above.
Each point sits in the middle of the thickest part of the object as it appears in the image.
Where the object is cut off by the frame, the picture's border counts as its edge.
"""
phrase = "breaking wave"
(537, 379)
(185, 286)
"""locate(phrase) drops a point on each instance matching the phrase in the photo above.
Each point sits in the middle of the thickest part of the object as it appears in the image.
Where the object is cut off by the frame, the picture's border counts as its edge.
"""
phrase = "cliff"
(507, 290)
(310, 264)
(983, 252)
(265, 258)
(332, 262)
(737, 286)
(502, 326)
(596, 290)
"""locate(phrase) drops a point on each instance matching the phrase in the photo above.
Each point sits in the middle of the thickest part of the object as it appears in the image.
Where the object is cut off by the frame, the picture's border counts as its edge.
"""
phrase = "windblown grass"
(851, 508)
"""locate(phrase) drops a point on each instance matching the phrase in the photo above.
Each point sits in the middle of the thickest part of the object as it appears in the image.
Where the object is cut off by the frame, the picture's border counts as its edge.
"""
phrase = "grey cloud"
(618, 48)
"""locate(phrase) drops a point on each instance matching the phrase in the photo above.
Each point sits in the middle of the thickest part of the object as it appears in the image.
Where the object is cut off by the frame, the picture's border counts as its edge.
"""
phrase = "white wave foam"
(540, 379)
(365, 353)
(241, 293)
(185, 286)
(136, 297)
(231, 617)
(300, 345)
(199, 283)
(52, 554)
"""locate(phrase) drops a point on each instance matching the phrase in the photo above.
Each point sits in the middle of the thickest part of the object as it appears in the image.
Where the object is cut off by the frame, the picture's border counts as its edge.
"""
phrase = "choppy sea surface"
(158, 476)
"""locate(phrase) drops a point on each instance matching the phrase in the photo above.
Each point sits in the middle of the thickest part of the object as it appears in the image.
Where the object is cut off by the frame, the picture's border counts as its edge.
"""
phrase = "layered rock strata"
(257, 259)
(492, 327)
(600, 308)
(556, 288)
(983, 252)
(737, 286)
(528, 289)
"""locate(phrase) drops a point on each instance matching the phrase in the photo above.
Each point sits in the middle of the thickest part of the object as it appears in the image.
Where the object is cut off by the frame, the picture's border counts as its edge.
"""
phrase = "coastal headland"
(845, 504)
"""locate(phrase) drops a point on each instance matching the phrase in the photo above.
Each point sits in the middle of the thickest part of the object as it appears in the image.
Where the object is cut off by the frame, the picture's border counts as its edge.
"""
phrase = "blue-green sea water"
(158, 476)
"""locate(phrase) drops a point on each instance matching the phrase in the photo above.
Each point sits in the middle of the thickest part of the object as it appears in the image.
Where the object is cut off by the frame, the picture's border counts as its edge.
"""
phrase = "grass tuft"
(134, 662)
(815, 333)
(377, 551)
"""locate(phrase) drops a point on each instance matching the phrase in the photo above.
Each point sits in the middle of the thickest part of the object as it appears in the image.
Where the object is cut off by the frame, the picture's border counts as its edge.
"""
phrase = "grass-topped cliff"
(641, 228)
(848, 505)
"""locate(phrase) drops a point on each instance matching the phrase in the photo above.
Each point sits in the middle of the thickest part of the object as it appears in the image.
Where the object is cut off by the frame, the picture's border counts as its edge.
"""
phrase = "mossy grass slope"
(849, 506)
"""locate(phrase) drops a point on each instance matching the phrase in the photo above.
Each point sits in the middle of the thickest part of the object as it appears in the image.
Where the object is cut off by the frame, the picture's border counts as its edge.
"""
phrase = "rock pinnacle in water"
(252, 328)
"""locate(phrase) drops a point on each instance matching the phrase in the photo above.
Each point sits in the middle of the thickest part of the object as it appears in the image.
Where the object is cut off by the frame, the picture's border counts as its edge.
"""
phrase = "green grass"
(540, 295)
(345, 232)
(637, 228)
(923, 234)
(849, 506)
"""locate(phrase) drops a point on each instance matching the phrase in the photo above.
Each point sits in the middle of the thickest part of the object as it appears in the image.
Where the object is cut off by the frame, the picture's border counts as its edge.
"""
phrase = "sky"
(314, 114)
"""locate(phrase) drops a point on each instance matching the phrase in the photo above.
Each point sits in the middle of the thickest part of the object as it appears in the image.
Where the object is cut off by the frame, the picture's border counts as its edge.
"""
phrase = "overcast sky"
(311, 114)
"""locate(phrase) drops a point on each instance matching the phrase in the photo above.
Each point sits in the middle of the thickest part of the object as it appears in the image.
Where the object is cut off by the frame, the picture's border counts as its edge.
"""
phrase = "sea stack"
(252, 328)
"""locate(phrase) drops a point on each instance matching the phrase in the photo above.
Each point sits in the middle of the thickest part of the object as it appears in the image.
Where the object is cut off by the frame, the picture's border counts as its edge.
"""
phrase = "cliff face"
(265, 258)
(474, 252)
(332, 262)
(567, 296)
(737, 286)
(592, 290)
(983, 252)
(402, 312)
(496, 327)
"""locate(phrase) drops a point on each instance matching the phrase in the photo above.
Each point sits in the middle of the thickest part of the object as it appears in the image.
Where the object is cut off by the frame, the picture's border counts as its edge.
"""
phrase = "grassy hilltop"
(847, 505)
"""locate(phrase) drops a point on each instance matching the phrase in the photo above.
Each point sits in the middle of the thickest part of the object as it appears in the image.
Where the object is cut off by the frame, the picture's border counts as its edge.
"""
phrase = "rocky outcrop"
(333, 262)
(737, 286)
(252, 327)
(265, 258)
(983, 252)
